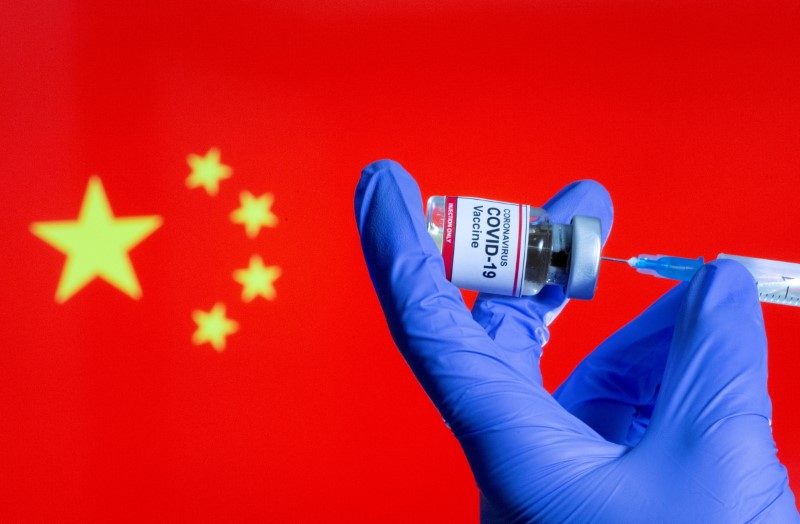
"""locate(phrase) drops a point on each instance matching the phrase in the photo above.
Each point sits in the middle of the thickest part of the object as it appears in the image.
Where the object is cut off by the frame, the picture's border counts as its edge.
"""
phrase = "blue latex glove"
(667, 421)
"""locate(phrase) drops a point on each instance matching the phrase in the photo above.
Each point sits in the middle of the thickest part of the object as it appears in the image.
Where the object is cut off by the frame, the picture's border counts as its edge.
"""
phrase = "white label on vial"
(484, 244)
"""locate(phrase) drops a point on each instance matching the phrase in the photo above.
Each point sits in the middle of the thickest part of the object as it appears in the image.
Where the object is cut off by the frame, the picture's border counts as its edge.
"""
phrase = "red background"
(688, 112)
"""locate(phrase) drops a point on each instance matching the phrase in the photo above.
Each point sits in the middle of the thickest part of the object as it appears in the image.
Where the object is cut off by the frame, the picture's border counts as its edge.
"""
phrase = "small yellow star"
(207, 171)
(97, 244)
(254, 213)
(213, 327)
(257, 280)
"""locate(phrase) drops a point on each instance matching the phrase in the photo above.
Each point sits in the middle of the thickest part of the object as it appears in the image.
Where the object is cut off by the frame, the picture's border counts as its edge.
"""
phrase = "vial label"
(484, 244)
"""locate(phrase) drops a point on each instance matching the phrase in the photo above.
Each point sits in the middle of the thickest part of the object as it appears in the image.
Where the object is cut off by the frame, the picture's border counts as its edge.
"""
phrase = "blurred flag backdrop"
(189, 331)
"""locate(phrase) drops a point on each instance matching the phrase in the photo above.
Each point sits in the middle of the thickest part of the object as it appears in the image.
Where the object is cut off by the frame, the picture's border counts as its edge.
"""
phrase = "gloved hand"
(667, 421)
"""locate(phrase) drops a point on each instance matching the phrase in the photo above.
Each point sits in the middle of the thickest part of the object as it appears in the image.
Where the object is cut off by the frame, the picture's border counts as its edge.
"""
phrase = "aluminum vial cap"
(584, 264)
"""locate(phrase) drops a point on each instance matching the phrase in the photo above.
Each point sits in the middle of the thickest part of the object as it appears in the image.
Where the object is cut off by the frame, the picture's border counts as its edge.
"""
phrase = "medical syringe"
(777, 282)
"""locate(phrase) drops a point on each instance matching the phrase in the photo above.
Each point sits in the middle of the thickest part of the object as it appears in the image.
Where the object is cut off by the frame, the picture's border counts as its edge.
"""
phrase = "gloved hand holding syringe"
(668, 420)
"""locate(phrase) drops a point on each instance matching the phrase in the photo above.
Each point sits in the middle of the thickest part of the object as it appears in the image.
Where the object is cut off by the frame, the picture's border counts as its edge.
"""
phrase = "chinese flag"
(189, 332)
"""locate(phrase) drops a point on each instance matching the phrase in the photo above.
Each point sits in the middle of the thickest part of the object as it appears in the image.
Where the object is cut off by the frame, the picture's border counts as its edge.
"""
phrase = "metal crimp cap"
(584, 263)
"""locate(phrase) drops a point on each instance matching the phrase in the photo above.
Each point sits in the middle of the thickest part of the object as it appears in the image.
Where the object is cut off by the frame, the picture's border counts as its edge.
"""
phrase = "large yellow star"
(257, 280)
(213, 327)
(97, 244)
(254, 213)
(207, 171)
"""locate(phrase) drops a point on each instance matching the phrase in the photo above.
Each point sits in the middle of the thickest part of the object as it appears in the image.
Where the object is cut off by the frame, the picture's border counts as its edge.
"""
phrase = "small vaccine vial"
(514, 249)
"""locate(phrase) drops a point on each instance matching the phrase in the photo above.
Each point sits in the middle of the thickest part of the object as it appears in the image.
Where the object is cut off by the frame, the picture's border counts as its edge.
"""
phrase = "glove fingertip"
(367, 183)
(584, 197)
(721, 291)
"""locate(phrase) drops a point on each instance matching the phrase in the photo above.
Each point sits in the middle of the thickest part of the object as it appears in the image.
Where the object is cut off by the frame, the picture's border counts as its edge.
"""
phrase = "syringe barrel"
(776, 281)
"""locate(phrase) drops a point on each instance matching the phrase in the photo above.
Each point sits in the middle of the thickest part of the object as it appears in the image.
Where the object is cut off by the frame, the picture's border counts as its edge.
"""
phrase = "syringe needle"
(612, 259)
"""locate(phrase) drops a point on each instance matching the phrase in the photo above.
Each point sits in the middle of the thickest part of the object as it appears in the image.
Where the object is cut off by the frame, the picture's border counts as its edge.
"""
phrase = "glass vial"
(513, 249)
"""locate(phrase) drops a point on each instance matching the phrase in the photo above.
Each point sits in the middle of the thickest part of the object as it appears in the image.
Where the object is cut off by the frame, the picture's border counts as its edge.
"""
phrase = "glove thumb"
(713, 413)
(717, 364)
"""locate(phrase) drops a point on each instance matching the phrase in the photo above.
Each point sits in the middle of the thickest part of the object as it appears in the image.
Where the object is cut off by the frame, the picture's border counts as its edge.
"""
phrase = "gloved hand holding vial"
(667, 421)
